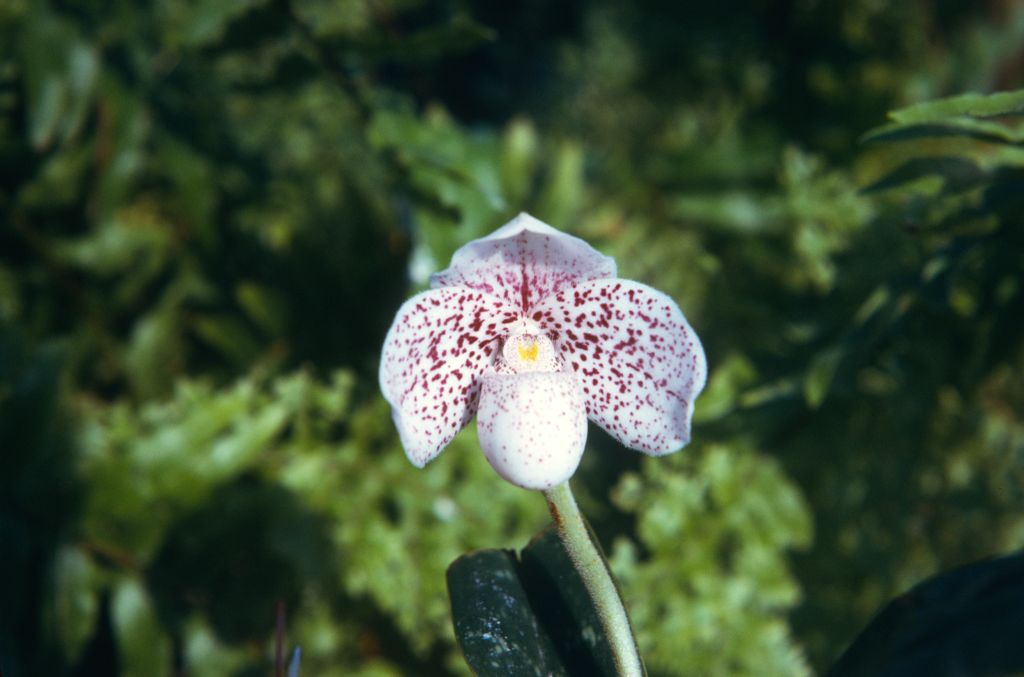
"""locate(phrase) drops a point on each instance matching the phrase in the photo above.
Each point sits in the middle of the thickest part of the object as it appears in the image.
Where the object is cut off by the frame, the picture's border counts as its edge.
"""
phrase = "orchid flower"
(530, 330)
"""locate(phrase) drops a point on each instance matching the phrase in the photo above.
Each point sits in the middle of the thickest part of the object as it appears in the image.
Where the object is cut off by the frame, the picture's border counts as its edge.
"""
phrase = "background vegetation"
(210, 211)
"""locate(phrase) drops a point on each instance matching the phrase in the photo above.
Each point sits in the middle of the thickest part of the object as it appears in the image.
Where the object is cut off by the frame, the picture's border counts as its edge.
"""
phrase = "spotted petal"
(639, 362)
(532, 426)
(438, 346)
(523, 262)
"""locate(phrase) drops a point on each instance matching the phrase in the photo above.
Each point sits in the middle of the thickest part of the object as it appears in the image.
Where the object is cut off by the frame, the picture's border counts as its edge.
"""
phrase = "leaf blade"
(494, 620)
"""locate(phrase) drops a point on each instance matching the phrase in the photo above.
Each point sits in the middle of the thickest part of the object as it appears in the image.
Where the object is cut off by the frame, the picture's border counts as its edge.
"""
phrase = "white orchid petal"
(439, 344)
(532, 426)
(523, 262)
(639, 363)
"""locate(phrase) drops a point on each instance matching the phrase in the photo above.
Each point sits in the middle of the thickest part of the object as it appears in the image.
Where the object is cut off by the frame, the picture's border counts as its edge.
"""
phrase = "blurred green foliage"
(210, 210)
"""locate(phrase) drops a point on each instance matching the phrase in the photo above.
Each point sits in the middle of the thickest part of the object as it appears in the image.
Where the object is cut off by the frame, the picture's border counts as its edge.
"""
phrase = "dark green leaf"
(76, 603)
(141, 642)
(517, 617)
(976, 105)
(957, 173)
(62, 71)
(264, 305)
(964, 622)
(205, 23)
(820, 374)
(228, 335)
(979, 130)
(566, 610)
(494, 621)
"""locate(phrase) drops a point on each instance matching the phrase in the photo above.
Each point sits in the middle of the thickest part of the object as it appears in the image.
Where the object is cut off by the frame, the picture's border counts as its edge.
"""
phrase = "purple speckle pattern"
(624, 356)
(439, 344)
(523, 262)
(532, 427)
(639, 363)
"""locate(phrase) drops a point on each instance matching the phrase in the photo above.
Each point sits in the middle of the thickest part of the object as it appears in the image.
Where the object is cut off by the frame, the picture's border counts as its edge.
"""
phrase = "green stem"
(586, 555)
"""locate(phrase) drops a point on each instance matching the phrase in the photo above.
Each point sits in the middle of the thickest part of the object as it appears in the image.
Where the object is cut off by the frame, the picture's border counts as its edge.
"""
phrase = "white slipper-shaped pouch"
(532, 426)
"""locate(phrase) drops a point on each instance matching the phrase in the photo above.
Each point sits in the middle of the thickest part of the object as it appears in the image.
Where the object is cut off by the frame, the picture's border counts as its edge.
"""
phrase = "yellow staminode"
(528, 353)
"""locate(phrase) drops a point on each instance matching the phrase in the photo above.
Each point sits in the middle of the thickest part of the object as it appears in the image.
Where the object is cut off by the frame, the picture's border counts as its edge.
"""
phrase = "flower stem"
(585, 554)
